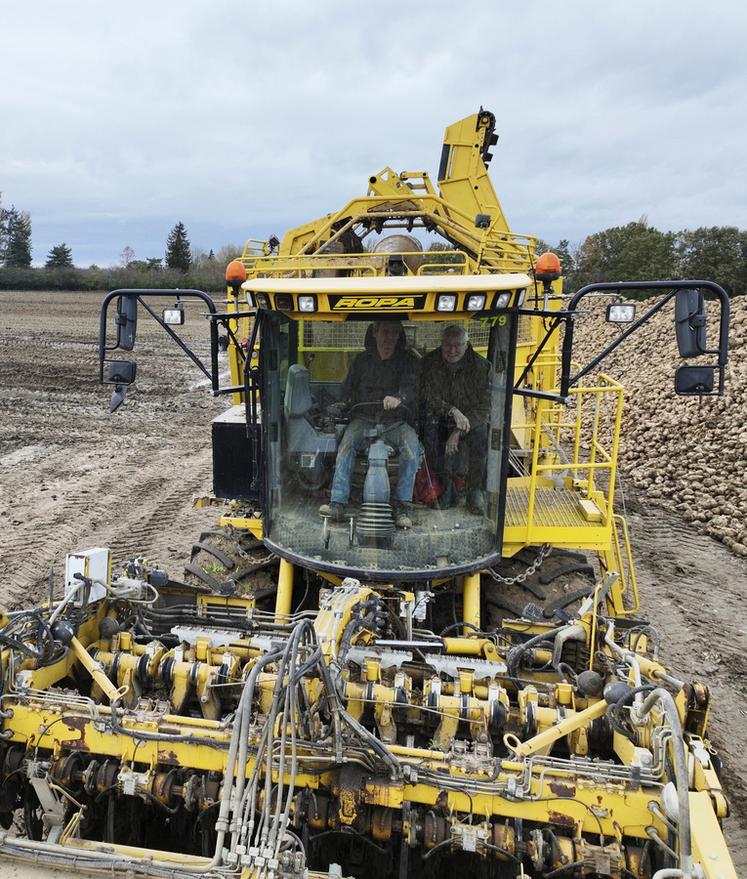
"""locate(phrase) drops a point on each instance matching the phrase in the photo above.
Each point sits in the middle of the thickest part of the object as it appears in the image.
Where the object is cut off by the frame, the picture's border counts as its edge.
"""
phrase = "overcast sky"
(242, 119)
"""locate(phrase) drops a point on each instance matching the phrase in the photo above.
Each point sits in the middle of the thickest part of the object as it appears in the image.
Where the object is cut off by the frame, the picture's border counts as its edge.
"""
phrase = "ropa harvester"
(371, 668)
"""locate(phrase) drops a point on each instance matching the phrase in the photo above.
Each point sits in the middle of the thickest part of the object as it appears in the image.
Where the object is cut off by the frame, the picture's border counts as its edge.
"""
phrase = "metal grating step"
(552, 509)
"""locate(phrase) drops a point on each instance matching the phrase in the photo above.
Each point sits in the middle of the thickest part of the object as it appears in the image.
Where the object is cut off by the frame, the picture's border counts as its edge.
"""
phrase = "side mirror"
(694, 380)
(690, 322)
(126, 321)
(121, 372)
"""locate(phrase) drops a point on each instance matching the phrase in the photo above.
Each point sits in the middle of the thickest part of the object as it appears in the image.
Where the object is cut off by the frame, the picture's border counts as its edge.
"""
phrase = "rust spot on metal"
(442, 801)
(562, 790)
(168, 757)
(80, 724)
(561, 819)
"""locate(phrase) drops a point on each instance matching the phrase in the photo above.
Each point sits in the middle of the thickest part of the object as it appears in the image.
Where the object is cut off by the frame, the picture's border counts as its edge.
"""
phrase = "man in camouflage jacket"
(455, 399)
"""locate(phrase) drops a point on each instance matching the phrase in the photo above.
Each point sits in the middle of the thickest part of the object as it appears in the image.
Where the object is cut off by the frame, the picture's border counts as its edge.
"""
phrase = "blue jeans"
(401, 437)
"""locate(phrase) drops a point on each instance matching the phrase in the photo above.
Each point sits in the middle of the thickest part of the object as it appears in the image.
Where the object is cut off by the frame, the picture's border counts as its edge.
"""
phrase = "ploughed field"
(73, 476)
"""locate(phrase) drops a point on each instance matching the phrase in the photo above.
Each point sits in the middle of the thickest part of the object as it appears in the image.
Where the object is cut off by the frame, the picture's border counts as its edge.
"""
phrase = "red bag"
(428, 488)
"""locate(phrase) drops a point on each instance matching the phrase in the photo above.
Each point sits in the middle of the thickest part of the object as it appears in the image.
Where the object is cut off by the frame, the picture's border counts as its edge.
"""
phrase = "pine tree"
(178, 250)
(18, 251)
(4, 218)
(60, 257)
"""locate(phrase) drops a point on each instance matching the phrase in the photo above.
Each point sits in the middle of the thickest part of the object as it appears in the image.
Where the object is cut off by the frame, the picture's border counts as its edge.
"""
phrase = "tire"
(227, 561)
(553, 591)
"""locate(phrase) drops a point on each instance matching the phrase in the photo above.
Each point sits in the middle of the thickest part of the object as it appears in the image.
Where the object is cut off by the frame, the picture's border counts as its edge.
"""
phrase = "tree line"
(181, 266)
(638, 252)
(633, 252)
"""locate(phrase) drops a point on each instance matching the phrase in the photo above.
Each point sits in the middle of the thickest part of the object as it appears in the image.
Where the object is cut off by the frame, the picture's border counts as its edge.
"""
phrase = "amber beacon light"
(547, 267)
(235, 272)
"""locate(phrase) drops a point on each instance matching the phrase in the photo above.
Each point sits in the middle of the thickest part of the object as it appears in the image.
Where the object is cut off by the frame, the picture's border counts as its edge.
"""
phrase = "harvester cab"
(326, 383)
(413, 646)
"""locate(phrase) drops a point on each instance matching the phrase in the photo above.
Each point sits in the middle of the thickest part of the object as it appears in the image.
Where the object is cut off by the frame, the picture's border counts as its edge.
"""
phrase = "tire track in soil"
(72, 475)
(692, 589)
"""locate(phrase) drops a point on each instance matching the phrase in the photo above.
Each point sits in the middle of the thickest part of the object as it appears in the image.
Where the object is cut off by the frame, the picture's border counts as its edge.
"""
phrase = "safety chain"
(247, 556)
(520, 578)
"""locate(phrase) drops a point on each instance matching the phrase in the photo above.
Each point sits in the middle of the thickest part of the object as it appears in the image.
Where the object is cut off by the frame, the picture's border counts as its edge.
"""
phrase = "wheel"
(554, 590)
(227, 561)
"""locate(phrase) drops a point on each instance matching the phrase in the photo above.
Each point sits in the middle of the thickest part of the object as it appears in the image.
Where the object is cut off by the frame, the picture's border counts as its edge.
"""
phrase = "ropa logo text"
(368, 303)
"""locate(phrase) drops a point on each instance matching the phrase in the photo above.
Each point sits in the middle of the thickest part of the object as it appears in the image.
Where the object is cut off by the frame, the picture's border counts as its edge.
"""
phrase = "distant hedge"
(208, 278)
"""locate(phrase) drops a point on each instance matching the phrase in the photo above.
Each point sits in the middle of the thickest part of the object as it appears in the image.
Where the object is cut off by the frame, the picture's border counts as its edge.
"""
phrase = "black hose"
(514, 655)
(615, 711)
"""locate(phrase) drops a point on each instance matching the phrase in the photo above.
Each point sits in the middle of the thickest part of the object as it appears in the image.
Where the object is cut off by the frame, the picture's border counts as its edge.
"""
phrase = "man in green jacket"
(455, 396)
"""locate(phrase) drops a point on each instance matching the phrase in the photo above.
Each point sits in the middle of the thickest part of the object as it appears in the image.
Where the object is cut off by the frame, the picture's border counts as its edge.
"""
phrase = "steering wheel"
(380, 408)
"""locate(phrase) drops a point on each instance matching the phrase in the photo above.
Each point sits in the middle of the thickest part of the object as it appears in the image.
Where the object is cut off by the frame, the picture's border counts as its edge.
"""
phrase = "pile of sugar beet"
(689, 453)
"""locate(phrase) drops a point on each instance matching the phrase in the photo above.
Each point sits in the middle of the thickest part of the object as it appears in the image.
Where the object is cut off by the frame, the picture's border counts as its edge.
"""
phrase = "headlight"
(502, 299)
(620, 314)
(307, 303)
(476, 302)
(263, 300)
(283, 302)
(174, 317)
(446, 302)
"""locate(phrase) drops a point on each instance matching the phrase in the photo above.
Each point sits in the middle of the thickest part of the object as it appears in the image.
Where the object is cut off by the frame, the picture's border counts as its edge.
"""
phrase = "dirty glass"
(360, 485)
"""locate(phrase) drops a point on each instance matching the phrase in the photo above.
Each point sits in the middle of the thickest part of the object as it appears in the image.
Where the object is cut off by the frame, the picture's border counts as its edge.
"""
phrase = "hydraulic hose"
(664, 698)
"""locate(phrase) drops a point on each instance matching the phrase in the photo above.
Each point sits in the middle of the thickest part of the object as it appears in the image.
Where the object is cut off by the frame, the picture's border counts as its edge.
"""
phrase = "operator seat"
(308, 448)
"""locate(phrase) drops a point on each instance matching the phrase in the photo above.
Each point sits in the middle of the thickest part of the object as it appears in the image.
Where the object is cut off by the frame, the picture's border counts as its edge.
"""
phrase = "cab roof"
(404, 284)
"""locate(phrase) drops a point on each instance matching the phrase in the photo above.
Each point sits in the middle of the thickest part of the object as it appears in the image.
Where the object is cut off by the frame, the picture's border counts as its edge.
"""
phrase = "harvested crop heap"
(690, 454)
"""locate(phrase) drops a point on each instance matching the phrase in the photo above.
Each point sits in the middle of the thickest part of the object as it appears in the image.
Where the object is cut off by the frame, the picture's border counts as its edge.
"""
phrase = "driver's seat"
(302, 435)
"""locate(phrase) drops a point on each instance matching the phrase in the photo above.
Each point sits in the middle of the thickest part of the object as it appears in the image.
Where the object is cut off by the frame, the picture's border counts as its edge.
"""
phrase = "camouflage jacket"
(466, 385)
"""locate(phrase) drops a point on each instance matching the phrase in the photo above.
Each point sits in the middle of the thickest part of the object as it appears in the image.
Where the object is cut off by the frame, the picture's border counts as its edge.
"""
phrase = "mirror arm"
(212, 375)
(619, 286)
(185, 348)
(619, 340)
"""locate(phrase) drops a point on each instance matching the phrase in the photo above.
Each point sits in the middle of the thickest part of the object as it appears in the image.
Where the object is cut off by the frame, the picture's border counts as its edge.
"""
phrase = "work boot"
(449, 498)
(476, 502)
(333, 510)
(402, 515)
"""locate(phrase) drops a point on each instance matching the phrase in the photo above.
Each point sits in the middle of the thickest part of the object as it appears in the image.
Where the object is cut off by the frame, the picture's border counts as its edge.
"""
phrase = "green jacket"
(466, 385)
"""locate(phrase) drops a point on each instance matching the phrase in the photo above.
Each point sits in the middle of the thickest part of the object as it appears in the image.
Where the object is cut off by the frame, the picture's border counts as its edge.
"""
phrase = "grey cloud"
(242, 120)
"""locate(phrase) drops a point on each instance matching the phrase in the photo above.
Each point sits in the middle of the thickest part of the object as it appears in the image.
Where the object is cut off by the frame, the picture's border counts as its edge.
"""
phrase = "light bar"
(307, 303)
(620, 314)
(446, 302)
(476, 302)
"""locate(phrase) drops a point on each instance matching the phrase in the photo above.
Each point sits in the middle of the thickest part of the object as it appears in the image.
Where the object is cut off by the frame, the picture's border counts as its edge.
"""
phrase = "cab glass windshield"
(385, 442)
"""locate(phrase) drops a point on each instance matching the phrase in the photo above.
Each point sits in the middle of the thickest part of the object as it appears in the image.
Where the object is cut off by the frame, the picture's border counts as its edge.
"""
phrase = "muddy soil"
(72, 476)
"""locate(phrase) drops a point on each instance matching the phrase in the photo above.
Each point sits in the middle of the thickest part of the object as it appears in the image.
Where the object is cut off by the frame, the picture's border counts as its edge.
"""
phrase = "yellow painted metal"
(397, 286)
(542, 742)
(284, 597)
(471, 646)
(94, 669)
(709, 845)
(471, 599)
(244, 523)
(58, 728)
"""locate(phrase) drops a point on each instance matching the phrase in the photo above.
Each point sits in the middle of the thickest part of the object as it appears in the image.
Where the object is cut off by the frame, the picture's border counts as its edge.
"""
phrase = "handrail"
(587, 437)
